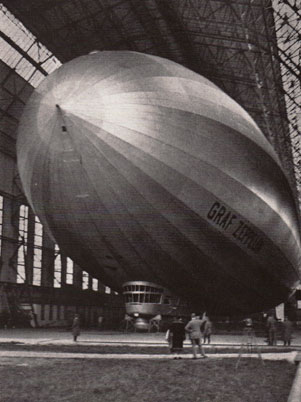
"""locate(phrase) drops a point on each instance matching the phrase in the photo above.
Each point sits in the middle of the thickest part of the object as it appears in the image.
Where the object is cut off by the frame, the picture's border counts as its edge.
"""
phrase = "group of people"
(198, 329)
(272, 330)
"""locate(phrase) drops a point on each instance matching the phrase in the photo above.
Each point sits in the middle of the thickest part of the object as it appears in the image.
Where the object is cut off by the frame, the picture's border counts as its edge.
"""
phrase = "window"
(57, 267)
(37, 266)
(23, 222)
(37, 253)
(128, 299)
(155, 299)
(95, 284)
(69, 273)
(85, 282)
(14, 29)
(23, 230)
(38, 232)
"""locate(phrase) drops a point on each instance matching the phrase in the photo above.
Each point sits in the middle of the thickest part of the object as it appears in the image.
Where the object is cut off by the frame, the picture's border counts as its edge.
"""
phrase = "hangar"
(247, 48)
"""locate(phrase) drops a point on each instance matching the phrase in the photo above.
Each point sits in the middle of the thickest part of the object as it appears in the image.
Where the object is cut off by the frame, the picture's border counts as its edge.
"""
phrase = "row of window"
(142, 298)
(14, 29)
(142, 288)
(37, 254)
(146, 298)
(48, 312)
(54, 312)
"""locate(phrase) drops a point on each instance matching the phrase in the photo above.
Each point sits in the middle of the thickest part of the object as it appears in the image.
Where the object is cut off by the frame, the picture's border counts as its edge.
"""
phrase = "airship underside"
(142, 170)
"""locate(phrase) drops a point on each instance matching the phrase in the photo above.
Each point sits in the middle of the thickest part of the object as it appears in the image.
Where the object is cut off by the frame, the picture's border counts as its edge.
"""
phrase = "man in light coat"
(195, 335)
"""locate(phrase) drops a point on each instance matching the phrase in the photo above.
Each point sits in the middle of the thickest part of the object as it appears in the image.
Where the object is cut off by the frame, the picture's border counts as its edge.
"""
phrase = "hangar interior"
(249, 48)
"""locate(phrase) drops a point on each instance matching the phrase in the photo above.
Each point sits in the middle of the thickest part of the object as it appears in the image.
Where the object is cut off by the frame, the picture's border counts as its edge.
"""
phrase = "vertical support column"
(8, 272)
(30, 248)
(101, 288)
(90, 282)
(47, 274)
(77, 276)
(64, 269)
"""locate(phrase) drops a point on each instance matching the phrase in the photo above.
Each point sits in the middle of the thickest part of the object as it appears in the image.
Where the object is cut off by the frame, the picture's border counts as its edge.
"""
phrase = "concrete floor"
(97, 337)
(94, 337)
(89, 337)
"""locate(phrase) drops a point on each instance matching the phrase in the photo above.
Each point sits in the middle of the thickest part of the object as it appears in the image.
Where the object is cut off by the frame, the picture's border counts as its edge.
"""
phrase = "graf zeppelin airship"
(142, 170)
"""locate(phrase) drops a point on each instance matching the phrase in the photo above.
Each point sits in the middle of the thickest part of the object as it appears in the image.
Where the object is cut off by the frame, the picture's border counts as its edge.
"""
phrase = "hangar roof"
(231, 42)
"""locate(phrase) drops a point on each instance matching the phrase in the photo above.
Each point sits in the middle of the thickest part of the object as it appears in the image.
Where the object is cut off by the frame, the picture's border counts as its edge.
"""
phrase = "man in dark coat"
(75, 327)
(287, 331)
(272, 330)
(177, 337)
(207, 331)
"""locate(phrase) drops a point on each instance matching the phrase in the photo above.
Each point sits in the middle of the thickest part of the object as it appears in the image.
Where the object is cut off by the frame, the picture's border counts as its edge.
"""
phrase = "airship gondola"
(142, 170)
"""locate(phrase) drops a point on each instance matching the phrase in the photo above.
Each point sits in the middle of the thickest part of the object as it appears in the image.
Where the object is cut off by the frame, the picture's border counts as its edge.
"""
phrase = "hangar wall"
(34, 275)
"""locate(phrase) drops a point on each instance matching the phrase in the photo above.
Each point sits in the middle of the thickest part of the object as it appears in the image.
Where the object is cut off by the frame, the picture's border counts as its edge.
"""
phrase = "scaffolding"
(287, 16)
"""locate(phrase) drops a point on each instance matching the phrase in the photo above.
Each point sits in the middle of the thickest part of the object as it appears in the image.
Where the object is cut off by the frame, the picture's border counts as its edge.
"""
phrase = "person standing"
(207, 330)
(194, 330)
(272, 330)
(177, 337)
(248, 324)
(154, 323)
(75, 327)
(287, 331)
(99, 321)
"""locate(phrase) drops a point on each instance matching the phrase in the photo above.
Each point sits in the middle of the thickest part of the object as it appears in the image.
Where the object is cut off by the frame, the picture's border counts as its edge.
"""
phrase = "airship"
(150, 177)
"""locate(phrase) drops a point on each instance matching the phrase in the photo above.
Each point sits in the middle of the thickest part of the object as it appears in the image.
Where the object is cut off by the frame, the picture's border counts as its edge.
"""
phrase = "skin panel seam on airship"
(229, 176)
(211, 167)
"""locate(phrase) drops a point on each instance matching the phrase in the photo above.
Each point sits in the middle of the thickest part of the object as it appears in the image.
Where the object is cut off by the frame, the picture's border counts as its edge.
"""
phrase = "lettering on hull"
(225, 219)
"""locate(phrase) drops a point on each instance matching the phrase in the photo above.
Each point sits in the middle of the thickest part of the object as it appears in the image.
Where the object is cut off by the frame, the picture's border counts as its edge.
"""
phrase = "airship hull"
(143, 170)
